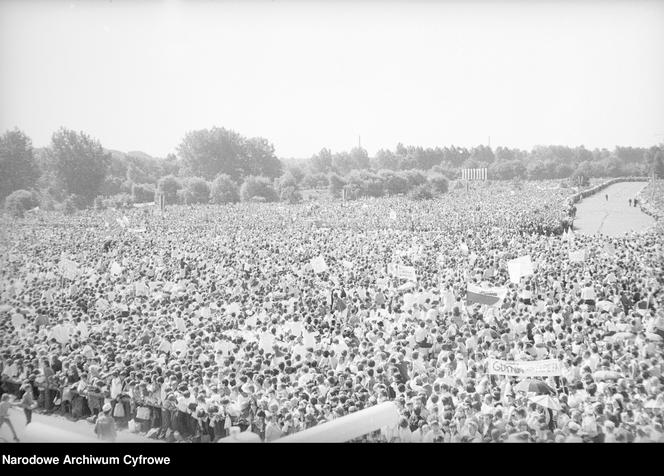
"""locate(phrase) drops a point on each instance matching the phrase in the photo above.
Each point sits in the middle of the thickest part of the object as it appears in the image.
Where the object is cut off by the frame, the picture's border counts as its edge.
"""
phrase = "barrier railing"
(146, 415)
(597, 188)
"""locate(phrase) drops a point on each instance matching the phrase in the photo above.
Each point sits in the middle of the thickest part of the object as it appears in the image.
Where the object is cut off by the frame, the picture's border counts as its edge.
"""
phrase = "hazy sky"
(138, 75)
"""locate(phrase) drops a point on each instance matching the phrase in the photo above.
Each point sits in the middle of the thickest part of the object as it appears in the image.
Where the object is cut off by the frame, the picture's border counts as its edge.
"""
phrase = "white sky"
(138, 75)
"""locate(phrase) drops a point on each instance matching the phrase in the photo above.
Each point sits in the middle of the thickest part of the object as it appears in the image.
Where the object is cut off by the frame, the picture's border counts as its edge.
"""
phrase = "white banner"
(405, 272)
(519, 268)
(535, 368)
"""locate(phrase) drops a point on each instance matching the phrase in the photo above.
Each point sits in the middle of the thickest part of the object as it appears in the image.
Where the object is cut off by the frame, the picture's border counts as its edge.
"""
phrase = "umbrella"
(530, 385)
(546, 401)
(606, 375)
(623, 336)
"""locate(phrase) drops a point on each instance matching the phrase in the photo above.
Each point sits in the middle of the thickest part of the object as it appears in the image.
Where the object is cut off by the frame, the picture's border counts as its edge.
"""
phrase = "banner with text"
(535, 368)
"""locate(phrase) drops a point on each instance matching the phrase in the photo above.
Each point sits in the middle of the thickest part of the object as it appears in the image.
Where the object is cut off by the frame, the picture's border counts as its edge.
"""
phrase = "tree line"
(219, 165)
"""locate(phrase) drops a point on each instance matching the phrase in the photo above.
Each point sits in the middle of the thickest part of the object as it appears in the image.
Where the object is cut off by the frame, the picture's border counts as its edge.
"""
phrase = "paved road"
(55, 428)
(612, 217)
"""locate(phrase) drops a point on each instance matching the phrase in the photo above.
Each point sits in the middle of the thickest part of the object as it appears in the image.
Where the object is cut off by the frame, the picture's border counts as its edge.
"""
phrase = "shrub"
(439, 183)
(287, 180)
(80, 202)
(169, 186)
(421, 192)
(258, 187)
(20, 201)
(68, 206)
(196, 190)
(47, 202)
(121, 200)
(394, 182)
(315, 180)
(224, 190)
(415, 177)
(291, 195)
(142, 193)
(336, 184)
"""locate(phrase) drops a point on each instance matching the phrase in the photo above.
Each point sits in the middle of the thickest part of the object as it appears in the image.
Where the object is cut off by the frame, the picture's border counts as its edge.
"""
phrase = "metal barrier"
(74, 405)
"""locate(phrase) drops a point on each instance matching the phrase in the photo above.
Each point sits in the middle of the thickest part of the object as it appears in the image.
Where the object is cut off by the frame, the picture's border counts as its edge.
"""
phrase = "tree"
(18, 167)
(336, 185)
(483, 154)
(20, 201)
(290, 195)
(439, 183)
(169, 186)
(260, 158)
(79, 161)
(359, 158)
(321, 162)
(287, 180)
(342, 163)
(385, 159)
(394, 182)
(209, 152)
(296, 172)
(197, 190)
(142, 193)
(414, 177)
(224, 190)
(421, 192)
(612, 167)
(258, 187)
(536, 169)
(314, 180)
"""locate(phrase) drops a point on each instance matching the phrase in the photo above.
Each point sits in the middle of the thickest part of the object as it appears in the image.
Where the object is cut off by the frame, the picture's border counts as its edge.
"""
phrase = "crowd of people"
(185, 324)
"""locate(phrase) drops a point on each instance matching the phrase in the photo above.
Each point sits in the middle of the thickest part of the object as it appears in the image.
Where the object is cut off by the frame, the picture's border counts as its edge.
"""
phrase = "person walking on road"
(28, 401)
(607, 196)
(630, 202)
(5, 405)
(105, 428)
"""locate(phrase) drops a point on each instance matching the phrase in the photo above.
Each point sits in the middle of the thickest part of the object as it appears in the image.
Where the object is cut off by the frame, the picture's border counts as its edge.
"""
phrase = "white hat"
(106, 407)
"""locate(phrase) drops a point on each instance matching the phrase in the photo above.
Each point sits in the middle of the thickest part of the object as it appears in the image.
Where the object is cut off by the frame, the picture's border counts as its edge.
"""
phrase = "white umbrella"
(546, 401)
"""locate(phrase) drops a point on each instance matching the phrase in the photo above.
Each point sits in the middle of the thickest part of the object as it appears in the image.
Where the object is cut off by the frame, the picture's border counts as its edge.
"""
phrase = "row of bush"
(223, 189)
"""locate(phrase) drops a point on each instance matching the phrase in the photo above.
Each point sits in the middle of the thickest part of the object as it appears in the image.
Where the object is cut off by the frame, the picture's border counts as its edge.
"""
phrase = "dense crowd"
(189, 323)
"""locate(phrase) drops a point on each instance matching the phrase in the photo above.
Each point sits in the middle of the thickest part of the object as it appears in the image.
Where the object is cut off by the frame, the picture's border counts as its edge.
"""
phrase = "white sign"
(116, 269)
(519, 268)
(69, 268)
(318, 264)
(405, 272)
(141, 289)
(535, 368)
(578, 256)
